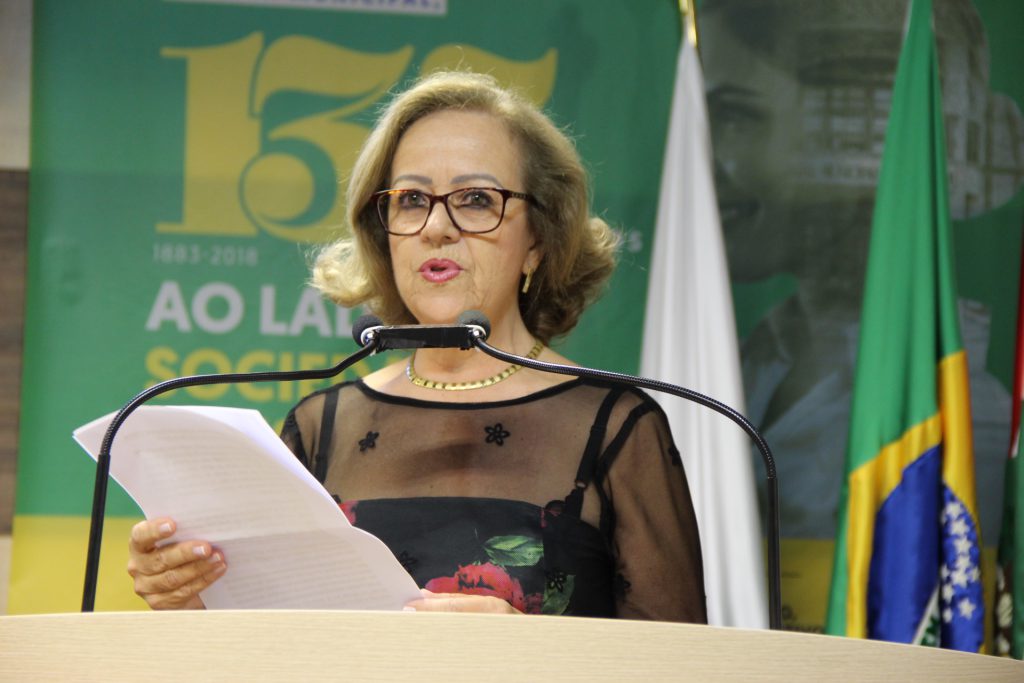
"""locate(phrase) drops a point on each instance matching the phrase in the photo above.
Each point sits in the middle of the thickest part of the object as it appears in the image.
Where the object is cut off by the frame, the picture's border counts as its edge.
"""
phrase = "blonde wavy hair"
(578, 249)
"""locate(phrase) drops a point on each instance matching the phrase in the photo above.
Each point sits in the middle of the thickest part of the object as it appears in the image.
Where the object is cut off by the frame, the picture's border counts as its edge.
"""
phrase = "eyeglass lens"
(471, 209)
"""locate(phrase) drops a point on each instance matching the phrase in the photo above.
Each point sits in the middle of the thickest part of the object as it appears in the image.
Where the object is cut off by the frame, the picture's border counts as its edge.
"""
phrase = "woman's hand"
(460, 602)
(171, 576)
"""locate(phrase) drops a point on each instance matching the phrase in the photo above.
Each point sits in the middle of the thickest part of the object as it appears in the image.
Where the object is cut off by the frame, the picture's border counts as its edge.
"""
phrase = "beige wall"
(15, 61)
(15, 64)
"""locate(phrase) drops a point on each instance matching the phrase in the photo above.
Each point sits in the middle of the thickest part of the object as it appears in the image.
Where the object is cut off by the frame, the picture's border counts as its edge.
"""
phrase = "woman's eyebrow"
(414, 178)
(475, 176)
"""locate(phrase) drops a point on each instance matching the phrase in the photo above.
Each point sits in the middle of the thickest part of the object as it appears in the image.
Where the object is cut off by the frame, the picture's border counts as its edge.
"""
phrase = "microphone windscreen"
(361, 325)
(476, 318)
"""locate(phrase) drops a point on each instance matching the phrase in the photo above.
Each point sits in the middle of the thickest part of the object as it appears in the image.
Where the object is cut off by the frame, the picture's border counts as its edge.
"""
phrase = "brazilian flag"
(907, 559)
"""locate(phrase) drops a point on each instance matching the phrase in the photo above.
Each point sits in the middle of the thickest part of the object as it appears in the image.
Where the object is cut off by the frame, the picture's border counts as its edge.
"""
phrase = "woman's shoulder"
(621, 397)
(317, 399)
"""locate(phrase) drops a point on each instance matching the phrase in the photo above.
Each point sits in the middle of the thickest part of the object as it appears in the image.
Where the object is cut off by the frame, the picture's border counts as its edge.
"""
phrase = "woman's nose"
(439, 227)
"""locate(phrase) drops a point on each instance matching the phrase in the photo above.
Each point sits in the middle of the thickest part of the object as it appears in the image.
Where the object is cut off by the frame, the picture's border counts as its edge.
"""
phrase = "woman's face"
(442, 272)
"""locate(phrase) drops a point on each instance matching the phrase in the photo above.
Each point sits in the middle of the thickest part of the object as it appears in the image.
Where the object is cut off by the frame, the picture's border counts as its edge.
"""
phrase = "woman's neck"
(456, 365)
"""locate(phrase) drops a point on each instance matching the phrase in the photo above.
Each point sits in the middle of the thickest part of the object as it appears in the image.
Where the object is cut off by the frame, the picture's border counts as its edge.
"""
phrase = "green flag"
(907, 562)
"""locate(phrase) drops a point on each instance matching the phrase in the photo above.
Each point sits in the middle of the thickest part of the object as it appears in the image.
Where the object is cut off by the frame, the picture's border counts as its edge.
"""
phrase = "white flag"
(690, 339)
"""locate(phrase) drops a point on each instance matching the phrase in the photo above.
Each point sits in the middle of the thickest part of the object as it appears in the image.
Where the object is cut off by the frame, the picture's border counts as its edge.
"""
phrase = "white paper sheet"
(225, 477)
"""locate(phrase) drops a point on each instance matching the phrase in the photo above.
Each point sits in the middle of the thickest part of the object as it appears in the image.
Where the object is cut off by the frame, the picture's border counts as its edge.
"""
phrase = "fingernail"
(199, 550)
(165, 528)
(215, 557)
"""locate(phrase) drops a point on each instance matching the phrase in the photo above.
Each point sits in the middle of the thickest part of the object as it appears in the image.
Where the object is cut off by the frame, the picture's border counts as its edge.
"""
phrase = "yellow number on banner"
(244, 171)
(292, 189)
(220, 136)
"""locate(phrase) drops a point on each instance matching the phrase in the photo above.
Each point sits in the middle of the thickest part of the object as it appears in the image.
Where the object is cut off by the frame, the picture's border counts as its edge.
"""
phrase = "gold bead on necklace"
(410, 372)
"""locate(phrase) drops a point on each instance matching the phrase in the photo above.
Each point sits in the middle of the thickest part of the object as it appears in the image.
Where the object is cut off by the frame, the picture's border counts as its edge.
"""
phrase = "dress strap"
(588, 463)
(323, 444)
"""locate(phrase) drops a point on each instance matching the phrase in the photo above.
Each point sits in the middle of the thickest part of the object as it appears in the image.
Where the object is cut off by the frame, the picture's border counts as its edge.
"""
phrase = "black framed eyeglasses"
(471, 209)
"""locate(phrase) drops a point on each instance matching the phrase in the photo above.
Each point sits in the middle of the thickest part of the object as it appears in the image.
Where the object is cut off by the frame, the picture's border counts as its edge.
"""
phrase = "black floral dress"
(571, 500)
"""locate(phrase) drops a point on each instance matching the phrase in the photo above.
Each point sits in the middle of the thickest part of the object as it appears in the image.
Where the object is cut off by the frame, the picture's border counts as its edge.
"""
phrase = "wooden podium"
(389, 646)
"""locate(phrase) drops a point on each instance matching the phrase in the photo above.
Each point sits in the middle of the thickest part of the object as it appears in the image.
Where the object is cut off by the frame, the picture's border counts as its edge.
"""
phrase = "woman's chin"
(442, 314)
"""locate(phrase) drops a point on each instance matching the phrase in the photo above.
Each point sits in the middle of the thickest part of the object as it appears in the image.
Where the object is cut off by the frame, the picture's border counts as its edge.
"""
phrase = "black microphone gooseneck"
(362, 327)
(774, 573)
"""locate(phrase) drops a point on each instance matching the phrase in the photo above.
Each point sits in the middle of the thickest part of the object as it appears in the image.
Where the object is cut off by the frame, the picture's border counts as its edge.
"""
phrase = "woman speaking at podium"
(499, 489)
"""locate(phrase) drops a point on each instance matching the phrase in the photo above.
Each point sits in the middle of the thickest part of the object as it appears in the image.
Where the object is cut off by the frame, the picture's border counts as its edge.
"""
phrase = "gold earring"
(526, 282)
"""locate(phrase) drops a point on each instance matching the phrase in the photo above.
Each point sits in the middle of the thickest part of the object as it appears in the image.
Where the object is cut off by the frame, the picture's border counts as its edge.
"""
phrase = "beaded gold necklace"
(410, 372)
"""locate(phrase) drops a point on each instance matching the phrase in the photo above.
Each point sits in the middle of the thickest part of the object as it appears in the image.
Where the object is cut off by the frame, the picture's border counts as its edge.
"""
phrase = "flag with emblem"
(907, 558)
(1008, 607)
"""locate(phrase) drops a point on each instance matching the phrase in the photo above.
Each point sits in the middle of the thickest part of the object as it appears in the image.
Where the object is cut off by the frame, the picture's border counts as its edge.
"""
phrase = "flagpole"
(688, 231)
(688, 18)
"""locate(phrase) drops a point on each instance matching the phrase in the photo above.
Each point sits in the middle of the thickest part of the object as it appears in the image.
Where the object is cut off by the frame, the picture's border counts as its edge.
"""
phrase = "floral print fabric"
(506, 549)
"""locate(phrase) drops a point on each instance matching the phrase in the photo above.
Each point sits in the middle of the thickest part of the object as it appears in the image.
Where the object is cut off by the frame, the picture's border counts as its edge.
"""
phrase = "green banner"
(188, 158)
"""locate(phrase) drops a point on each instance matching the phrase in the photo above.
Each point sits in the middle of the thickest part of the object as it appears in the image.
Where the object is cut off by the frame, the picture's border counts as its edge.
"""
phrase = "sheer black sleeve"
(301, 430)
(653, 527)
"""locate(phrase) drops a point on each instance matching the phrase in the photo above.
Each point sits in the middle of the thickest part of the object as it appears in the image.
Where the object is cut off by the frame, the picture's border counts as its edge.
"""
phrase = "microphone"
(772, 503)
(361, 325)
(471, 325)
(478, 319)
